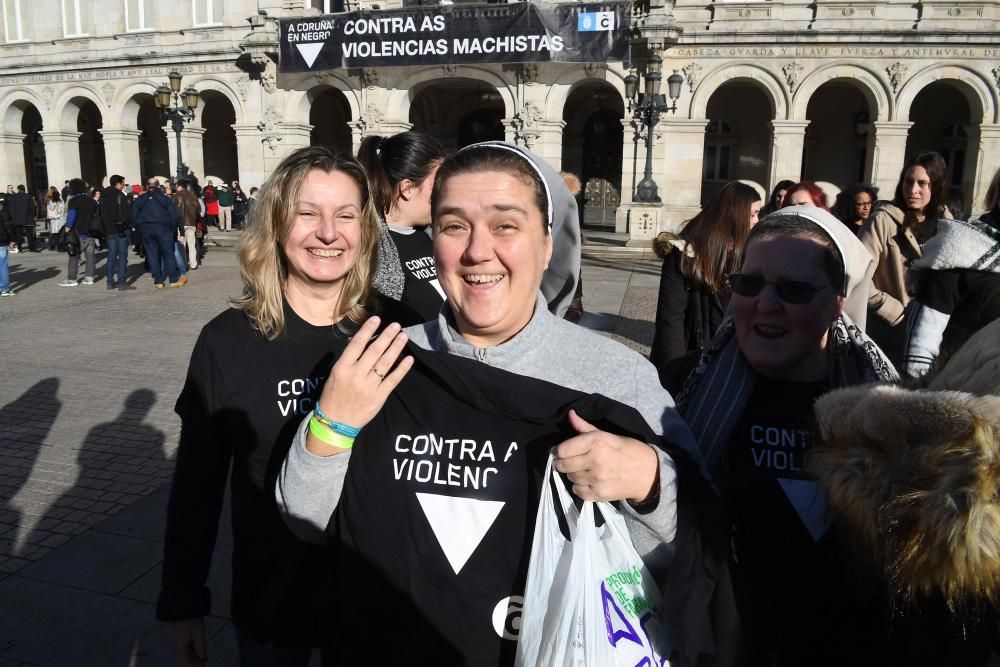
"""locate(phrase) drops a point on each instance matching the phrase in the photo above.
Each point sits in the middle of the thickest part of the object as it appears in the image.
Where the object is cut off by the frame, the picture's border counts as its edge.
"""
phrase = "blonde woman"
(306, 259)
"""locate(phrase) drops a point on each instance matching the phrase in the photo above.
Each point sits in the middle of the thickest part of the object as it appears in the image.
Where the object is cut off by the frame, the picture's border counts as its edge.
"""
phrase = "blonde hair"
(263, 264)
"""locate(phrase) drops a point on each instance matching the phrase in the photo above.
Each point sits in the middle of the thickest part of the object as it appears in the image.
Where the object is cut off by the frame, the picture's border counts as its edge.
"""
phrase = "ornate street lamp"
(646, 108)
(180, 112)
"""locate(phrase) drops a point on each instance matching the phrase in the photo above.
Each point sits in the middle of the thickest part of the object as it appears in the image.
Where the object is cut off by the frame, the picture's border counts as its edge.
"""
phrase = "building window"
(718, 143)
(73, 18)
(138, 15)
(326, 6)
(13, 28)
(207, 12)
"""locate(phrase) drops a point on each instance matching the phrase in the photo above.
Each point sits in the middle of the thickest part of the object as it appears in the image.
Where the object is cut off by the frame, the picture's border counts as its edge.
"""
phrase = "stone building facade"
(825, 90)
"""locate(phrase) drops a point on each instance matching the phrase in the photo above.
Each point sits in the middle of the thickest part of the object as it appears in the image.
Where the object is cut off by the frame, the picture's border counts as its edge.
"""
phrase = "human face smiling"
(322, 242)
(491, 250)
(916, 188)
(782, 340)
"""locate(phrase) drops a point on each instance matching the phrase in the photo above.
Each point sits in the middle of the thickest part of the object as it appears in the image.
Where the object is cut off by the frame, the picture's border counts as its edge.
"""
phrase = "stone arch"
(398, 103)
(299, 102)
(867, 82)
(755, 74)
(222, 87)
(13, 106)
(66, 108)
(975, 88)
(567, 81)
(126, 107)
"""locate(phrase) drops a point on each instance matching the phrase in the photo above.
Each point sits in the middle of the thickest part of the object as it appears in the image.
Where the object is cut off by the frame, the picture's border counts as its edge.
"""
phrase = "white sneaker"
(14, 251)
(87, 281)
(68, 283)
(7, 293)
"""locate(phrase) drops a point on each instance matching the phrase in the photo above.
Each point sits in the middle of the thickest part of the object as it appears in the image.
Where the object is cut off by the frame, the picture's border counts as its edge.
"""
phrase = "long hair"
(717, 236)
(815, 193)
(263, 264)
(937, 171)
(772, 202)
(391, 160)
(992, 201)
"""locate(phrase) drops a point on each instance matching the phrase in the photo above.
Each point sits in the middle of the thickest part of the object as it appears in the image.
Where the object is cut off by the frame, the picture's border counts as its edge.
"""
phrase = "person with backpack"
(82, 219)
(158, 219)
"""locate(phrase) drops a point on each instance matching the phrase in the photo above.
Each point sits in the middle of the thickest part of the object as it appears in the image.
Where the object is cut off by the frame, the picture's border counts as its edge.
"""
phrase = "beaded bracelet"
(336, 427)
(325, 435)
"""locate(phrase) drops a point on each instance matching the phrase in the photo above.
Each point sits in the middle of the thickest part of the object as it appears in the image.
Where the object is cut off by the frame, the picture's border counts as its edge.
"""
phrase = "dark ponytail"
(390, 160)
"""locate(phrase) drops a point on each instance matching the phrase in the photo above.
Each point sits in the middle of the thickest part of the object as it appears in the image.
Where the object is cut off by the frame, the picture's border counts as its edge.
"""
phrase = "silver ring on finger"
(380, 374)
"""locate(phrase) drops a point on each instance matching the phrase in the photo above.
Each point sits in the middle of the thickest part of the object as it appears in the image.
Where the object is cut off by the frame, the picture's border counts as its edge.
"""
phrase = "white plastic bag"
(589, 601)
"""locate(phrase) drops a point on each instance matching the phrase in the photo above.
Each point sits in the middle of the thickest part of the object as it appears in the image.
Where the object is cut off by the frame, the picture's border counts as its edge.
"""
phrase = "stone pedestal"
(787, 142)
(193, 147)
(121, 151)
(888, 155)
(62, 155)
(12, 160)
(643, 222)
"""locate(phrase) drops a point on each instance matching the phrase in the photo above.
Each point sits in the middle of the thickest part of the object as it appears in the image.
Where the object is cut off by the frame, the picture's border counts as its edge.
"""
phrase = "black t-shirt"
(799, 602)
(422, 292)
(243, 399)
(433, 530)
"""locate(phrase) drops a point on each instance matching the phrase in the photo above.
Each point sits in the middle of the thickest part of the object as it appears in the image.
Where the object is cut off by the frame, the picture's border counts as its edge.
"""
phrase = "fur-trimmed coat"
(914, 474)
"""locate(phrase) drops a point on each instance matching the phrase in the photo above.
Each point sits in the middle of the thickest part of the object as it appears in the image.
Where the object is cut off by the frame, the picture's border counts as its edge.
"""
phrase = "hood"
(915, 474)
(560, 278)
(962, 245)
(894, 212)
(666, 242)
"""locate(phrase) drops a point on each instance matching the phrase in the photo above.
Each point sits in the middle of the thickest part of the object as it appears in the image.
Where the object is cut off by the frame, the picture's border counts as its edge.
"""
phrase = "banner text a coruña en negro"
(527, 32)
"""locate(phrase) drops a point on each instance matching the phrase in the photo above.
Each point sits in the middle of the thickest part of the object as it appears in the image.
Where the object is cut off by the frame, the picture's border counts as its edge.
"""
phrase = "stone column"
(121, 150)
(548, 144)
(684, 141)
(250, 156)
(62, 154)
(12, 168)
(984, 158)
(279, 143)
(193, 147)
(787, 141)
(888, 155)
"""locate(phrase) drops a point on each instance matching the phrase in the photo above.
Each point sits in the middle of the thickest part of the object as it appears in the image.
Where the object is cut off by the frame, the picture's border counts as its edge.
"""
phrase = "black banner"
(525, 32)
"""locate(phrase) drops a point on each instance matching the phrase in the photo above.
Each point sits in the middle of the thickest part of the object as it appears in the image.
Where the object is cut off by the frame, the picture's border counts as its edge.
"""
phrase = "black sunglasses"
(790, 291)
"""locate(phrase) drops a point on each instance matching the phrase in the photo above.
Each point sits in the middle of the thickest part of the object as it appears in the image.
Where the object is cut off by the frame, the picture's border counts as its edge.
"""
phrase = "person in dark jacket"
(22, 211)
(81, 210)
(116, 218)
(957, 285)
(158, 219)
(693, 291)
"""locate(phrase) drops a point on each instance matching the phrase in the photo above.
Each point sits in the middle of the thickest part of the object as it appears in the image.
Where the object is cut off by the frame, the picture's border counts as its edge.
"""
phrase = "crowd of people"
(80, 220)
(384, 395)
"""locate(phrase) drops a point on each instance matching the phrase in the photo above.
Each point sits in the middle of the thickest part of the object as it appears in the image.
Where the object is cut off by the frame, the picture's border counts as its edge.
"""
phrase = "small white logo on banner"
(595, 21)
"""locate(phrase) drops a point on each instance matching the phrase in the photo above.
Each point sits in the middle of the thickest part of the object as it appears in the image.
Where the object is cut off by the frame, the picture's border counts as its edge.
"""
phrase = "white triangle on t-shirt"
(459, 523)
(310, 51)
(809, 501)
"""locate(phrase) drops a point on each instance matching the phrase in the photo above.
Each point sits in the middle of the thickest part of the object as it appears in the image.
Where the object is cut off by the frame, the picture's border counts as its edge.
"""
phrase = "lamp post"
(646, 108)
(178, 113)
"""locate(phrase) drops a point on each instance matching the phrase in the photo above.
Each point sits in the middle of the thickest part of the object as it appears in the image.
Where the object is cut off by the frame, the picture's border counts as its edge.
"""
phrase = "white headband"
(521, 154)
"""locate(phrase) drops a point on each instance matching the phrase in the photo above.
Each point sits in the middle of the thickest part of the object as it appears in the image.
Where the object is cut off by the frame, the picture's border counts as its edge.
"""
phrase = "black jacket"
(116, 214)
(22, 209)
(6, 226)
(687, 316)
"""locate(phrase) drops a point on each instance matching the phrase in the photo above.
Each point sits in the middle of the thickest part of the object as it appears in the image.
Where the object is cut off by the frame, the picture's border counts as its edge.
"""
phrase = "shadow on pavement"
(24, 423)
(23, 278)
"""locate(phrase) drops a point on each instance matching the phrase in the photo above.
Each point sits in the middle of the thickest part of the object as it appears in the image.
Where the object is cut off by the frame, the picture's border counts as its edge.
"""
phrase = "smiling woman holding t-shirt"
(401, 169)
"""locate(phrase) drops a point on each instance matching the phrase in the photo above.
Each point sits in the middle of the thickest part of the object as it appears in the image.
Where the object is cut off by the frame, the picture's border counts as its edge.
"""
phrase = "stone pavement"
(88, 378)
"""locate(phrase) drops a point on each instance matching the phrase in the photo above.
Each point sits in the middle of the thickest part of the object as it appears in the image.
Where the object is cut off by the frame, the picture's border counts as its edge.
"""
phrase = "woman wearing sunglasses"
(795, 330)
